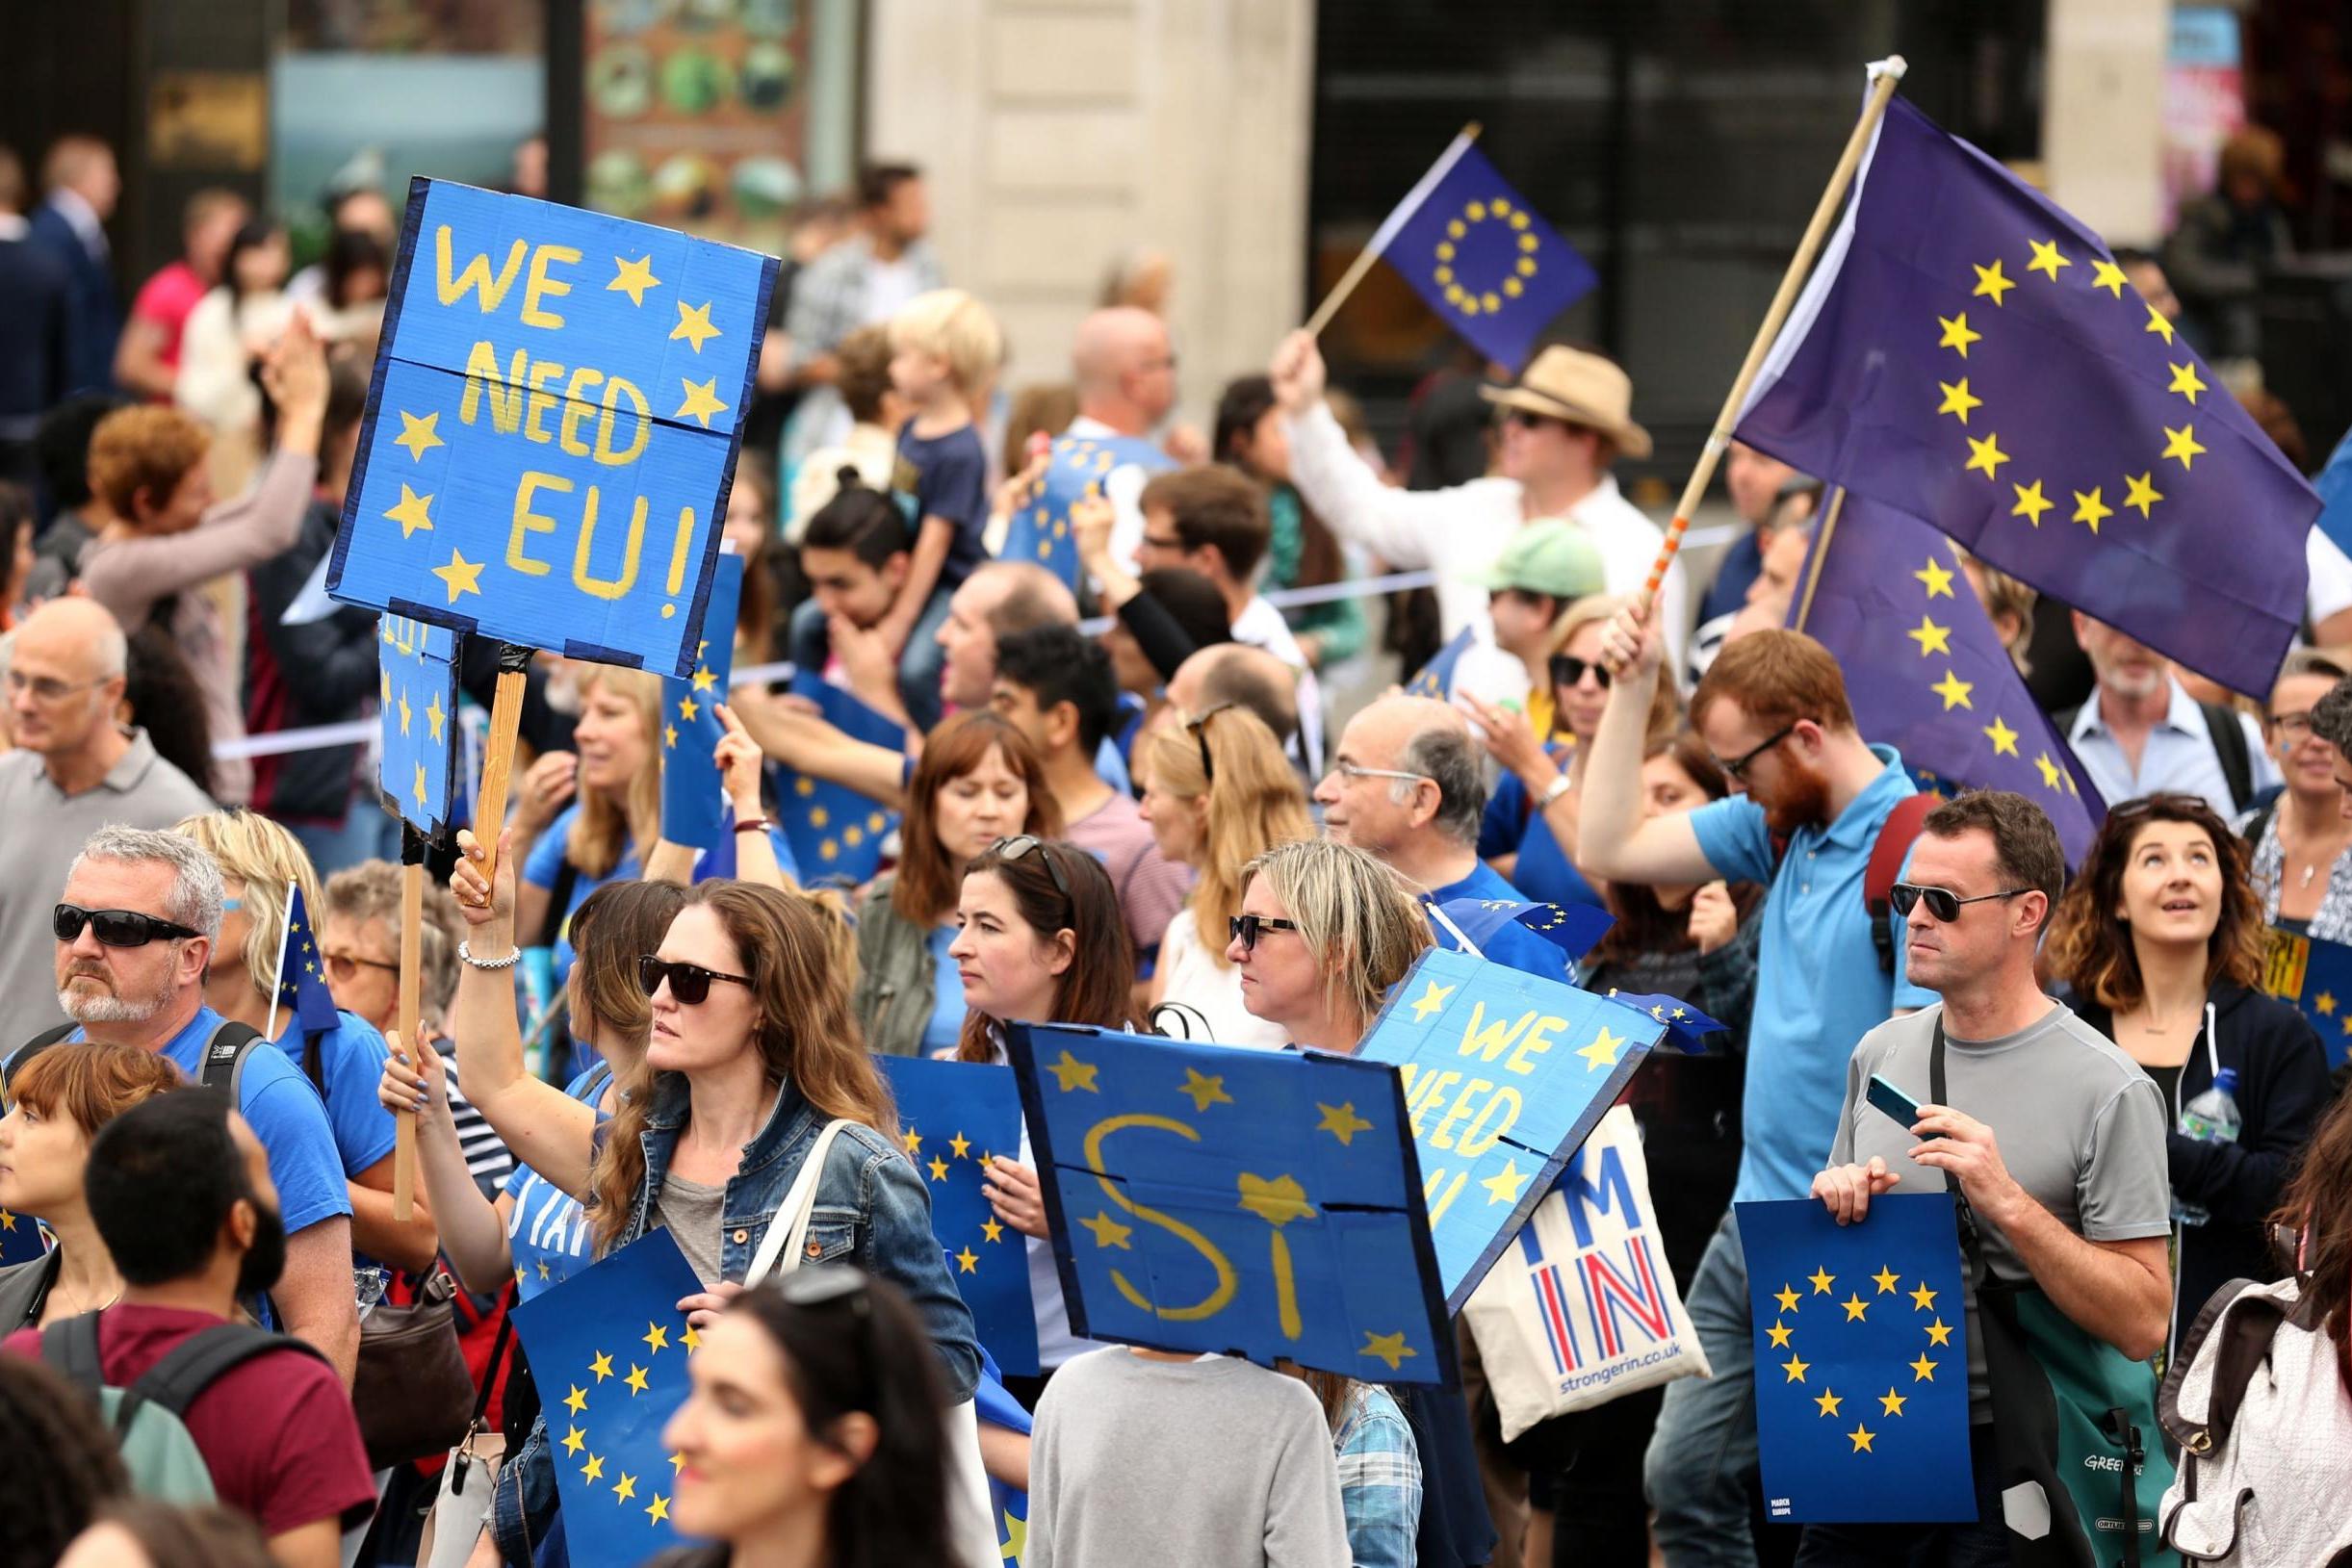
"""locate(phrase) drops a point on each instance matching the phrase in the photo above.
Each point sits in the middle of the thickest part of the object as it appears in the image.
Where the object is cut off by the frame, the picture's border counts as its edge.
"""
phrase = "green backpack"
(148, 1418)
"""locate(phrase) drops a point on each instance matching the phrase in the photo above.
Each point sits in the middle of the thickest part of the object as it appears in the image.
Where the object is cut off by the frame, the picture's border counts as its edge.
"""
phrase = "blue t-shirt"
(1818, 987)
(1543, 870)
(949, 480)
(547, 1231)
(948, 1010)
(1515, 944)
(350, 1065)
(545, 864)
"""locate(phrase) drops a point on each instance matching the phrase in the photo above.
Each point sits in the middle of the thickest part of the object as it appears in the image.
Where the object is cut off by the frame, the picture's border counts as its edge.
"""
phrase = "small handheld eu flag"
(301, 982)
(416, 770)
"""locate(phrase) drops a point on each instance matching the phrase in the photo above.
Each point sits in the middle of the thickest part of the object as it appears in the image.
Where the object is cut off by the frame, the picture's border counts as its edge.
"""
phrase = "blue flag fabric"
(2316, 976)
(608, 1347)
(1506, 1074)
(1926, 671)
(952, 1116)
(1486, 261)
(20, 1239)
(1210, 1197)
(552, 427)
(1686, 1026)
(837, 834)
(302, 977)
(1861, 1361)
(1977, 360)
(1435, 678)
(693, 796)
(998, 1408)
(1573, 928)
(2335, 487)
(416, 769)
(1081, 467)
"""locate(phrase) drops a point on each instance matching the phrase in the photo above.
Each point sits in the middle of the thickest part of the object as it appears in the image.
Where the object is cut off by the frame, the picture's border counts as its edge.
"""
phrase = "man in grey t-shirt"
(2055, 1138)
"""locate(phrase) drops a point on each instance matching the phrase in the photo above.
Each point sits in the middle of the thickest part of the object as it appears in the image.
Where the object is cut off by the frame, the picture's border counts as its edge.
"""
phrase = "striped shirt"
(487, 1158)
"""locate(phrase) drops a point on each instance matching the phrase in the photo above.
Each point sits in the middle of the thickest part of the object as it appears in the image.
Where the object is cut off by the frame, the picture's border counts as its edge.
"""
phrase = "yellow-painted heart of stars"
(1780, 1336)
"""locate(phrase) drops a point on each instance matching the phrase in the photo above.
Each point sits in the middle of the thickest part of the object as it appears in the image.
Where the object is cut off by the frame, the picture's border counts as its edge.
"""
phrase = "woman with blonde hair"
(1218, 793)
(260, 862)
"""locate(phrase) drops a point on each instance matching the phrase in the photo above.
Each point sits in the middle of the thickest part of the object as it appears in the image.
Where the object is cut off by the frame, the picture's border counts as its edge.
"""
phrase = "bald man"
(1126, 370)
(75, 770)
(1407, 784)
(998, 599)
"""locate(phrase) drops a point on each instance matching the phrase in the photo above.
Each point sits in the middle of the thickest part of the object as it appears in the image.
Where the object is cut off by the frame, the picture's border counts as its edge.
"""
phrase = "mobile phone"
(1892, 1100)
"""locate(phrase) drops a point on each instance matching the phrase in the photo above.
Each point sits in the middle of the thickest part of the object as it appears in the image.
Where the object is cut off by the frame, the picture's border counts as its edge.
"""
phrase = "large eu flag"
(1971, 355)
(1926, 672)
(1486, 261)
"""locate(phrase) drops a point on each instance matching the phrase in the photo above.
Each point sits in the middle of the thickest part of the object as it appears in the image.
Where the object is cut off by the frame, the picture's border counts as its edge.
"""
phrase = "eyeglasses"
(1943, 904)
(1176, 545)
(47, 689)
(1569, 670)
(2293, 726)
(1736, 767)
(114, 928)
(689, 983)
(344, 967)
(1527, 419)
(1020, 844)
(1245, 929)
(1353, 770)
(1198, 725)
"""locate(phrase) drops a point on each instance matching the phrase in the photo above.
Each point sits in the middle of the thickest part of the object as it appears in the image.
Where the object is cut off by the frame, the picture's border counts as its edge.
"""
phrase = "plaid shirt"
(828, 295)
(1380, 1480)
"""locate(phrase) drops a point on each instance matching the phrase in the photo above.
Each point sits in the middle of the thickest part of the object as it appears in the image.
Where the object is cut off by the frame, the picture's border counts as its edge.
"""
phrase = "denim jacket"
(872, 1211)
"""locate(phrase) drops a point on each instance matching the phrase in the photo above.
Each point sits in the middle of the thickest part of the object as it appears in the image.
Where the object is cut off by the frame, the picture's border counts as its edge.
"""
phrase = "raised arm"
(1394, 524)
(1613, 840)
(800, 739)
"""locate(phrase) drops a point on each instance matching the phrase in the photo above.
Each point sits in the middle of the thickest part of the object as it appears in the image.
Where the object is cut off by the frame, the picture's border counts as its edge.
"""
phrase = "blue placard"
(416, 769)
(952, 1116)
(1861, 1361)
(837, 835)
(552, 427)
(1208, 1197)
(1504, 1074)
(693, 795)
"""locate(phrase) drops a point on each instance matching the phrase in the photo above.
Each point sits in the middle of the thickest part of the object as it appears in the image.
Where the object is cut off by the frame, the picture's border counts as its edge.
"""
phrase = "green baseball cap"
(1554, 556)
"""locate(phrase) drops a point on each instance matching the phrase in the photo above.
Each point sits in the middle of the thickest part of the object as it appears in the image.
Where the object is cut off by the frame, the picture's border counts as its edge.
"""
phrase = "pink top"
(166, 300)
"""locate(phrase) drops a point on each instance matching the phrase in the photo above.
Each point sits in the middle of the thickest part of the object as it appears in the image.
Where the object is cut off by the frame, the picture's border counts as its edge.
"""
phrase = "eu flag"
(1081, 466)
(1486, 261)
(1971, 355)
(1685, 1025)
(302, 983)
(1861, 1361)
(694, 797)
(1573, 928)
(1926, 671)
(609, 1348)
(1435, 678)
(2316, 977)
(952, 1116)
(416, 769)
(837, 834)
(20, 1240)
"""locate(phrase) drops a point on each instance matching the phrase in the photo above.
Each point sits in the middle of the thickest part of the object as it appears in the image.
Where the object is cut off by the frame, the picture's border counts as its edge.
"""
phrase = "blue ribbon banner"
(1207, 1197)
(416, 770)
(552, 427)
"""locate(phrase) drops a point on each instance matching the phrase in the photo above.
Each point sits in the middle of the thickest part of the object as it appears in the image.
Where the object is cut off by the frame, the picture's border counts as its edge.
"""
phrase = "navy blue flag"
(416, 768)
(2335, 487)
(1971, 355)
(302, 977)
(1210, 1197)
(1573, 928)
(2316, 976)
(1926, 671)
(20, 1239)
(1506, 1074)
(552, 427)
(837, 834)
(1861, 1361)
(608, 1347)
(693, 796)
(1081, 467)
(998, 1408)
(1486, 261)
(952, 1116)
(1435, 678)
(1686, 1026)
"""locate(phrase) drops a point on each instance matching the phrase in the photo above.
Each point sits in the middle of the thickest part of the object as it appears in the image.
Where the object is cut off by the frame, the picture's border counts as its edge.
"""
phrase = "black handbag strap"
(1972, 1246)
(498, 1356)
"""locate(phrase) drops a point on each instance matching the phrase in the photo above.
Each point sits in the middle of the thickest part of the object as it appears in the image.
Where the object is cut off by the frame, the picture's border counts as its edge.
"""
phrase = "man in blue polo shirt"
(1772, 708)
(135, 932)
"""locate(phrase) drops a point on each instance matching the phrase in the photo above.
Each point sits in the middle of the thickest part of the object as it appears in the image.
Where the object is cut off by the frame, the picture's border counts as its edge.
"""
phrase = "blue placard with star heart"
(415, 765)
(1213, 1199)
(1506, 1073)
(552, 427)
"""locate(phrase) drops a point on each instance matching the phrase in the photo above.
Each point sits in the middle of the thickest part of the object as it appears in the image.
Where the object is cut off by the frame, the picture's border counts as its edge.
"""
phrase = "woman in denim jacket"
(754, 1050)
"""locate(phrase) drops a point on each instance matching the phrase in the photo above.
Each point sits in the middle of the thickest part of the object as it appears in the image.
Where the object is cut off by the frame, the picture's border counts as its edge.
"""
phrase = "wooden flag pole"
(1888, 76)
(1361, 265)
(498, 752)
(412, 987)
(1821, 555)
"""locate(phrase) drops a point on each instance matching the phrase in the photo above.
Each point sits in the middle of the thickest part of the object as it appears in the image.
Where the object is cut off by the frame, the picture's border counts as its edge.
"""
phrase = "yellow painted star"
(1959, 400)
(574, 1440)
(1829, 1402)
(1109, 1232)
(633, 278)
(2183, 444)
(1070, 1073)
(2141, 492)
(403, 709)
(2106, 274)
(1991, 282)
(1923, 1371)
(1937, 577)
(701, 400)
(2031, 504)
(2051, 772)
(658, 1509)
(1016, 1538)
(657, 1339)
(1930, 637)
(461, 576)
(1430, 1001)
(912, 1139)
(969, 1261)
(602, 1365)
(1603, 1051)
(959, 1146)
(691, 1339)
(1787, 1298)
(2324, 1004)
(678, 1462)
(576, 1401)
(1821, 1279)
(1922, 1299)
(2185, 380)
(1862, 1436)
(669, 735)
(938, 1169)
(1953, 690)
(1987, 455)
(2092, 508)
(2002, 737)
(1891, 1403)
(636, 1379)
(2158, 326)
(1855, 1307)
(417, 788)
(695, 324)
(1204, 1090)
(594, 1469)
(1956, 333)
(1389, 1348)
(2046, 257)
(435, 716)
(1796, 1367)
(414, 513)
(418, 436)
(688, 709)
(1341, 1122)
(705, 680)
(1506, 1184)
(1939, 1333)
(991, 1231)
(625, 1488)
(1779, 1334)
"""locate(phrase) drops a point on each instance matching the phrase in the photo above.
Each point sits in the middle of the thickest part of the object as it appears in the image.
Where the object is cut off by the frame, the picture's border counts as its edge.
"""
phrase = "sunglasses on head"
(1568, 670)
(1198, 727)
(1943, 904)
(114, 928)
(689, 983)
(1245, 929)
(1020, 844)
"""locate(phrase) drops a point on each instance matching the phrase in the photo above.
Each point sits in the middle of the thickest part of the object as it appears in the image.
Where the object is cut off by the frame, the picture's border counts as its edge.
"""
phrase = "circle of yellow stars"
(1485, 297)
(577, 1442)
(818, 818)
(1857, 1306)
(991, 1230)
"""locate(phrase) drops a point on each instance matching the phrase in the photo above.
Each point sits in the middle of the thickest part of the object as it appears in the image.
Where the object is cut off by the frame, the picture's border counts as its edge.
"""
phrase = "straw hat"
(1585, 389)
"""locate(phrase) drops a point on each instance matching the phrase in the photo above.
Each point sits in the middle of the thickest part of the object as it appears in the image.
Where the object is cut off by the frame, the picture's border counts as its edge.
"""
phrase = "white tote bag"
(972, 1516)
(1581, 1308)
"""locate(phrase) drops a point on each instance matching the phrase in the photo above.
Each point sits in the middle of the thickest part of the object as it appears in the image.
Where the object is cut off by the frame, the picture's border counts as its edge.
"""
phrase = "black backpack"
(224, 1065)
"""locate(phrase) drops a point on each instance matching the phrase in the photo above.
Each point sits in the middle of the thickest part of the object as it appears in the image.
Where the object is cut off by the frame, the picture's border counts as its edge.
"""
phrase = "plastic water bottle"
(2211, 1118)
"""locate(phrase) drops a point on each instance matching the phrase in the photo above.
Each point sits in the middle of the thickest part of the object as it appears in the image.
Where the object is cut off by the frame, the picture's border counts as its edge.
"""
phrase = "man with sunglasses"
(1810, 798)
(74, 771)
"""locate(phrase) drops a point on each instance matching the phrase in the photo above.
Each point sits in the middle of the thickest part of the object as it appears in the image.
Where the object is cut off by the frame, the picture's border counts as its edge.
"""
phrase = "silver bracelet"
(1561, 782)
(507, 963)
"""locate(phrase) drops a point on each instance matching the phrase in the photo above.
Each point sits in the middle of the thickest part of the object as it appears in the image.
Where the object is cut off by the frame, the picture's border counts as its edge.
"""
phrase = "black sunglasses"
(689, 983)
(1198, 726)
(1943, 904)
(1245, 929)
(114, 928)
(1020, 844)
(1568, 670)
(1736, 767)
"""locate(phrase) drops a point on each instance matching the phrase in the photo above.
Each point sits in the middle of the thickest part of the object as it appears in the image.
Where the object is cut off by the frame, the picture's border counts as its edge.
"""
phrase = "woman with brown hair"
(585, 816)
(2162, 939)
